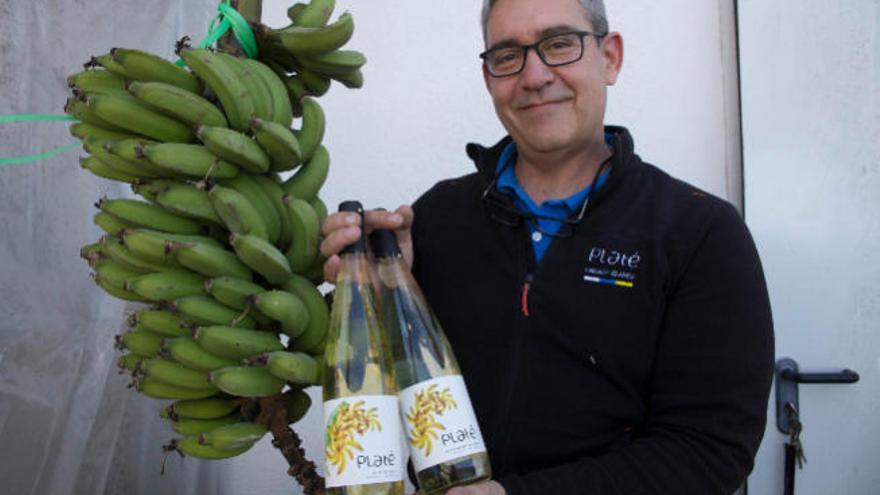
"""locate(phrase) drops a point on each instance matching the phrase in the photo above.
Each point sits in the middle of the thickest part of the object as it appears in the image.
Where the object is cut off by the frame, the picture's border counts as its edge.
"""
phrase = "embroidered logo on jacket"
(612, 267)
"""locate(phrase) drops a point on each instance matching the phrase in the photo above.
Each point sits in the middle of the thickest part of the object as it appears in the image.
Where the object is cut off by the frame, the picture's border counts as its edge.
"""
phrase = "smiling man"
(612, 322)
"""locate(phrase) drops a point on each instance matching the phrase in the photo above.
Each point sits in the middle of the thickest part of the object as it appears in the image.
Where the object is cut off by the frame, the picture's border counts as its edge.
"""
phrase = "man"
(612, 323)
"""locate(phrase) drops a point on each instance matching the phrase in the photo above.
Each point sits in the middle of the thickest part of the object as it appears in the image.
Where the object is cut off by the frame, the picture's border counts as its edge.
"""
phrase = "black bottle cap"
(384, 244)
(359, 246)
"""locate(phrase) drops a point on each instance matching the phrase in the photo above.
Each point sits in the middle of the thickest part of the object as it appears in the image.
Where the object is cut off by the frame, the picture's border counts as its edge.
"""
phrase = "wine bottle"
(362, 440)
(442, 433)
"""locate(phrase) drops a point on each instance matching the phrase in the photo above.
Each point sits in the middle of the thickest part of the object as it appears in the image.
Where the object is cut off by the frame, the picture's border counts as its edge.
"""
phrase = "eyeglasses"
(501, 211)
(555, 50)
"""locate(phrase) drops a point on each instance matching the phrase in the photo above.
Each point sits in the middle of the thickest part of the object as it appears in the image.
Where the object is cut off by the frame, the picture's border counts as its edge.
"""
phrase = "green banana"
(98, 148)
(235, 343)
(115, 250)
(255, 86)
(92, 253)
(296, 91)
(234, 436)
(128, 113)
(313, 339)
(316, 84)
(190, 446)
(148, 215)
(238, 213)
(129, 362)
(261, 202)
(320, 207)
(97, 167)
(106, 61)
(144, 344)
(246, 382)
(206, 311)
(185, 106)
(187, 352)
(191, 160)
(209, 260)
(154, 245)
(293, 367)
(307, 181)
(83, 130)
(167, 285)
(234, 147)
(285, 308)
(281, 112)
(237, 102)
(262, 257)
(109, 224)
(311, 132)
(295, 10)
(280, 144)
(150, 246)
(124, 294)
(272, 189)
(352, 80)
(298, 404)
(211, 408)
(77, 107)
(96, 81)
(197, 426)
(306, 234)
(160, 322)
(234, 292)
(315, 14)
(150, 188)
(313, 40)
(174, 374)
(144, 66)
(128, 150)
(161, 390)
(336, 63)
(114, 273)
(188, 201)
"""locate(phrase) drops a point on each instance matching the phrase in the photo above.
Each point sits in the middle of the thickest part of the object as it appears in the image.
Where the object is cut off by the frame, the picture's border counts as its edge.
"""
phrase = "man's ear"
(612, 56)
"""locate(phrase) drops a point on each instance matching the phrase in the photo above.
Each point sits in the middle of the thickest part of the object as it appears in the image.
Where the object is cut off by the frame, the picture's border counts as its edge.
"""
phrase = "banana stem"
(252, 11)
(273, 413)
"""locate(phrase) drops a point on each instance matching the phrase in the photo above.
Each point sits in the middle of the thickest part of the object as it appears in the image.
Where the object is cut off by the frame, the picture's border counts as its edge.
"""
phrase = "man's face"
(551, 109)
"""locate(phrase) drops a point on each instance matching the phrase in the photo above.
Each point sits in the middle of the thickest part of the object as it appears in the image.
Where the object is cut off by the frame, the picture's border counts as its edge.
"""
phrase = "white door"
(811, 152)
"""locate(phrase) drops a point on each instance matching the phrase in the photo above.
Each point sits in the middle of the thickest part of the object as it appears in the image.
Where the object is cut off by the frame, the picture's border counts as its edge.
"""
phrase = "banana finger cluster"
(221, 251)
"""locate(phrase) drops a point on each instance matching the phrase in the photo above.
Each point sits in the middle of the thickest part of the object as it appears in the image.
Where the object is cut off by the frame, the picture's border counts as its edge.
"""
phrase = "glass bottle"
(441, 429)
(362, 440)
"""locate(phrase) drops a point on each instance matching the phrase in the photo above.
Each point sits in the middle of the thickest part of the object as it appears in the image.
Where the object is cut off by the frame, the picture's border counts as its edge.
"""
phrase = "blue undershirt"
(553, 208)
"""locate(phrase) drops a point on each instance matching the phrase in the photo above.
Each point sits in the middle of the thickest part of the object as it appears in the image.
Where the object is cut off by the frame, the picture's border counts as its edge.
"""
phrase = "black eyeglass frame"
(534, 46)
(491, 201)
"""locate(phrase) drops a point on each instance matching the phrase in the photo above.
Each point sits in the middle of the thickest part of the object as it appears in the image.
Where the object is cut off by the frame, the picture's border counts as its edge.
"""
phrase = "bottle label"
(439, 421)
(362, 440)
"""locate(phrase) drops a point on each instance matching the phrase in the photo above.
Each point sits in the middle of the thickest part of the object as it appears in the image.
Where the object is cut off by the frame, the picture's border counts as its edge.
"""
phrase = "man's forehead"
(523, 21)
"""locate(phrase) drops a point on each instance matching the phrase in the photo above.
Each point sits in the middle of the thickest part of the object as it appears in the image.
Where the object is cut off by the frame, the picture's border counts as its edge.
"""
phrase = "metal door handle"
(787, 379)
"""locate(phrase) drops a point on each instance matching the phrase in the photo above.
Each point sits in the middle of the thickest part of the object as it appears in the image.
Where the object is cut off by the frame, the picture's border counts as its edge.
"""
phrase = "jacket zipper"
(527, 284)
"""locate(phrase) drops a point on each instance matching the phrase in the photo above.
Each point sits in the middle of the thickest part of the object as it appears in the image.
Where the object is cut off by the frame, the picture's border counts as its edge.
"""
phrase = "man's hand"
(484, 488)
(341, 229)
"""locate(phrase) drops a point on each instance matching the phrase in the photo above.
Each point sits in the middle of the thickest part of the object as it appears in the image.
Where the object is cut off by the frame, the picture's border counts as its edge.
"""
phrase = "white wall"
(424, 99)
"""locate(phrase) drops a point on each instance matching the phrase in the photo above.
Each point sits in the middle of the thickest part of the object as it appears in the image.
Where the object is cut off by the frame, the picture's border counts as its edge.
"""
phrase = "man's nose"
(536, 74)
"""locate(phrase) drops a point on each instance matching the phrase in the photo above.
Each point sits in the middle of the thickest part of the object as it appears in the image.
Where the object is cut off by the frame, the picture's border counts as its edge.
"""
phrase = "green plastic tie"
(35, 117)
(226, 18)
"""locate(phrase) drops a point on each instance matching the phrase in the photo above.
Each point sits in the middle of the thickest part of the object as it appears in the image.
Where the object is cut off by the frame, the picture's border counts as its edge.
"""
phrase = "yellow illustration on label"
(428, 403)
(344, 424)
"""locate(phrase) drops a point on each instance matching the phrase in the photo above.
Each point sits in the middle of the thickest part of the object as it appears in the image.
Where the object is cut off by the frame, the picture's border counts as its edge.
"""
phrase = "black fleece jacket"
(636, 358)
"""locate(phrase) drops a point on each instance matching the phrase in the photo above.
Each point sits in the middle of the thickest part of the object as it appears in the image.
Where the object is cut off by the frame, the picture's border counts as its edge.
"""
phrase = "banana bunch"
(222, 253)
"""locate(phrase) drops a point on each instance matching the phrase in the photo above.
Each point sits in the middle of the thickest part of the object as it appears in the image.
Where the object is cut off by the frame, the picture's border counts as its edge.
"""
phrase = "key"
(795, 429)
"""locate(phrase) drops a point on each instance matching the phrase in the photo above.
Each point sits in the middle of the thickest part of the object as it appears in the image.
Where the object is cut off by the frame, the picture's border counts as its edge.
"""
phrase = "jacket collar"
(486, 159)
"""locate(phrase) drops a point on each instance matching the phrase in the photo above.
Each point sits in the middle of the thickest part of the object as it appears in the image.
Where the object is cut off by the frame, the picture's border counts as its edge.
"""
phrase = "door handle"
(788, 376)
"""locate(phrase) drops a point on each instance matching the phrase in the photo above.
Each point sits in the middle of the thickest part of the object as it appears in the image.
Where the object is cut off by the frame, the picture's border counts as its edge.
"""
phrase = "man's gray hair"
(595, 13)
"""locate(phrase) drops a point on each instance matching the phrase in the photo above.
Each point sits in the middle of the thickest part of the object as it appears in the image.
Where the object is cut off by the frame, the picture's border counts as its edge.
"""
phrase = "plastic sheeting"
(68, 425)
